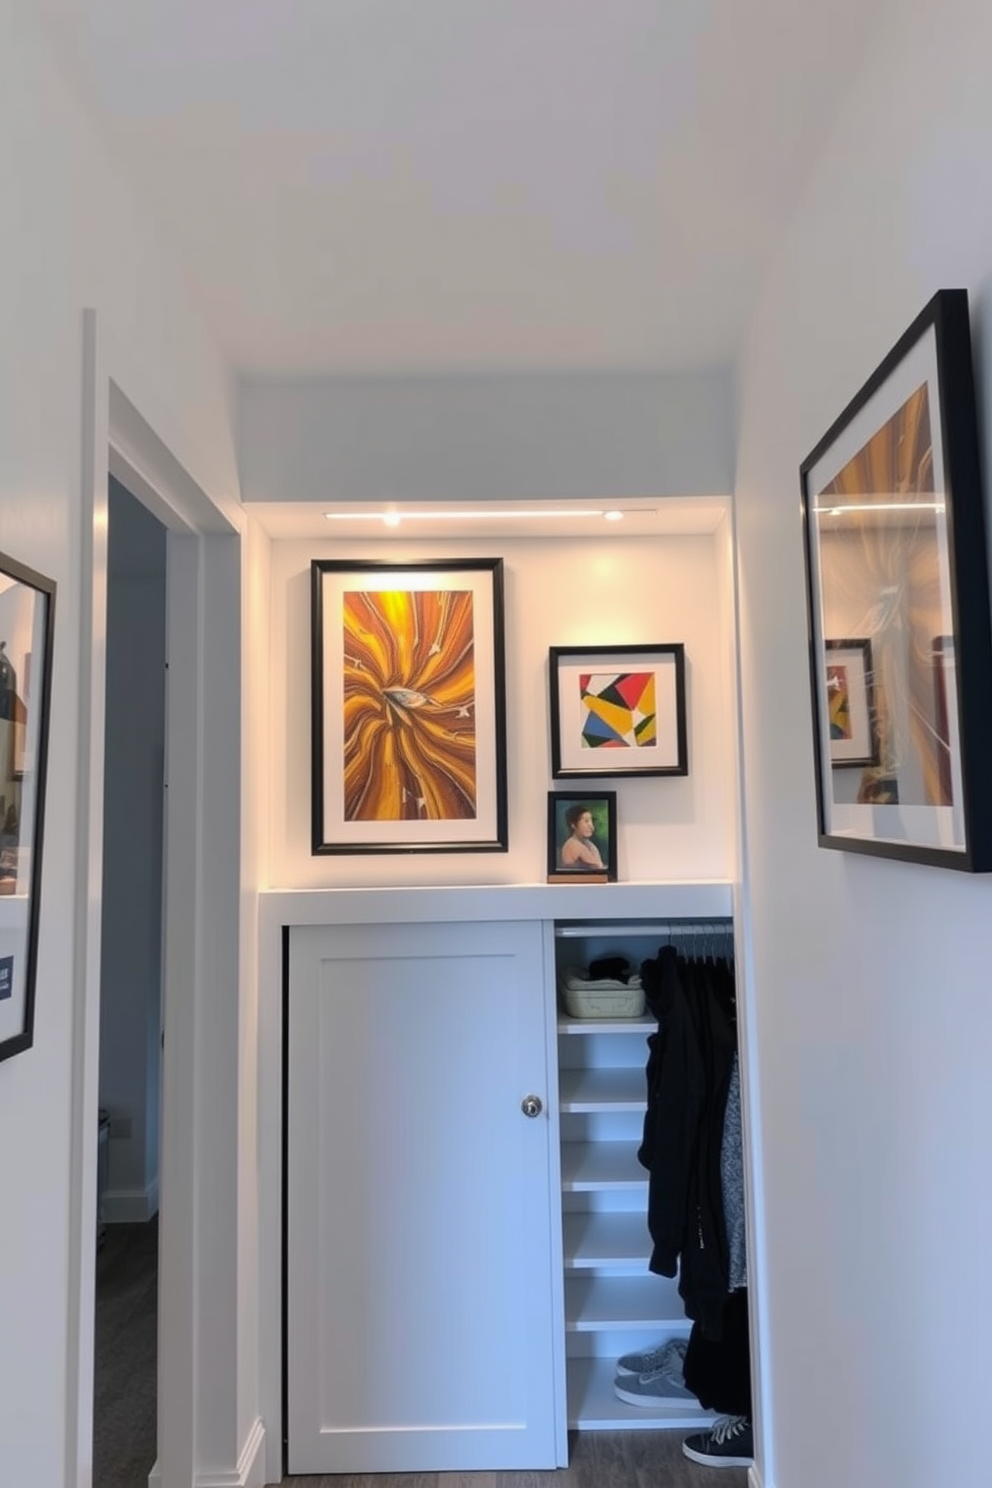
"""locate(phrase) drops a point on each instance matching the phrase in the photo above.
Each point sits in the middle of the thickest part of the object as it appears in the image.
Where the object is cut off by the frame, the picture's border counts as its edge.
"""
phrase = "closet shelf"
(596, 1304)
(645, 1024)
(592, 1405)
(591, 1167)
(602, 1241)
(602, 1090)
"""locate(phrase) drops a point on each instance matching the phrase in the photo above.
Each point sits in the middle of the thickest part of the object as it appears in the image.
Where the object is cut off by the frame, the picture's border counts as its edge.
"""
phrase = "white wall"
(870, 1019)
(539, 436)
(562, 592)
(71, 238)
(131, 931)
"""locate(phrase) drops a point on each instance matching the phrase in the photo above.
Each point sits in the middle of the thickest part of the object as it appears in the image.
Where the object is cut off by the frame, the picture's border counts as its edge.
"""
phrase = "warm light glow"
(877, 506)
(477, 514)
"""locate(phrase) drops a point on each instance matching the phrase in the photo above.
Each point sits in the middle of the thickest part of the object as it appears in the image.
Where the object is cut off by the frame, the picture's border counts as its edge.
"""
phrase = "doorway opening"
(198, 1224)
(126, 1303)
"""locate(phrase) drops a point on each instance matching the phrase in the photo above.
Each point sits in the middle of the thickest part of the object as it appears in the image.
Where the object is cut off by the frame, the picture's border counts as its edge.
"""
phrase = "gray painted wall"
(547, 437)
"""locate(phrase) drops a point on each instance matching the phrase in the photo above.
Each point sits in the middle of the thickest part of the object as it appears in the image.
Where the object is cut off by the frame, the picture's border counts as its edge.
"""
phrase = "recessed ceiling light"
(477, 514)
(483, 514)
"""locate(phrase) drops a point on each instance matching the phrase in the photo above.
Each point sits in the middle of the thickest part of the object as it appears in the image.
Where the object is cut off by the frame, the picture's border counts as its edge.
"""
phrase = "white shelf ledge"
(595, 1167)
(604, 1241)
(592, 1405)
(602, 1090)
(601, 1304)
(585, 1026)
(702, 898)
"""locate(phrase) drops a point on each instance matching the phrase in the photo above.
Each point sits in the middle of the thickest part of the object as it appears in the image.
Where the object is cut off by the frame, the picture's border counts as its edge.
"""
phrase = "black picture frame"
(27, 629)
(600, 728)
(408, 706)
(584, 821)
(895, 549)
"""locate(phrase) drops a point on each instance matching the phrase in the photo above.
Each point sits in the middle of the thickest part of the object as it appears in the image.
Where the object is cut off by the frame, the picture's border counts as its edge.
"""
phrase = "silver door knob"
(531, 1105)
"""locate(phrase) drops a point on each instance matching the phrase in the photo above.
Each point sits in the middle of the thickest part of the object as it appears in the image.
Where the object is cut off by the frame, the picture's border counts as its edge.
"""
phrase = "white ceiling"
(425, 185)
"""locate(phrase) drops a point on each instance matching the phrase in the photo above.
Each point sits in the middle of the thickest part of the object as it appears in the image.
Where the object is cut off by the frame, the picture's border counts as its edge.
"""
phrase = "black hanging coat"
(688, 1073)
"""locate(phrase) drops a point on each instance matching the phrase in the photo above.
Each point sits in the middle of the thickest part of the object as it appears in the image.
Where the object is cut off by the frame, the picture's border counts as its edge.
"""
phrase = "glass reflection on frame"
(26, 626)
(895, 549)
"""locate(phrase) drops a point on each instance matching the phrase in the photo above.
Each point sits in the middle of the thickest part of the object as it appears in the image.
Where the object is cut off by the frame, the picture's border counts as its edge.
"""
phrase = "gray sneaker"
(729, 1443)
(667, 1357)
(652, 1389)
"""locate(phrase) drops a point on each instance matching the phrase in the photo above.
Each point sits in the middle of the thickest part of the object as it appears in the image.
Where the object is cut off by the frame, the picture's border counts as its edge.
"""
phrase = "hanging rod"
(577, 929)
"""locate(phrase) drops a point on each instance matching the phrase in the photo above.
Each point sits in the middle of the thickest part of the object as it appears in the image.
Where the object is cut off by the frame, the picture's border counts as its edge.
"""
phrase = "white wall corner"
(754, 1478)
(250, 1471)
(155, 1476)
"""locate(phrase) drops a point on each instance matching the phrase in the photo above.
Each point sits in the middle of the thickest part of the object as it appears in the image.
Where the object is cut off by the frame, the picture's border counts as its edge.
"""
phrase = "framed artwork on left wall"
(408, 706)
(27, 611)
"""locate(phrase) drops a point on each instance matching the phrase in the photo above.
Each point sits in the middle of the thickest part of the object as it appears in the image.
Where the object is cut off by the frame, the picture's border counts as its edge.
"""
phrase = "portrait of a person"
(579, 850)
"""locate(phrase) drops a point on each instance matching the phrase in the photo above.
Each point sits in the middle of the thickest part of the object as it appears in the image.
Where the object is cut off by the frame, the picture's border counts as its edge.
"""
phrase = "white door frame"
(198, 1408)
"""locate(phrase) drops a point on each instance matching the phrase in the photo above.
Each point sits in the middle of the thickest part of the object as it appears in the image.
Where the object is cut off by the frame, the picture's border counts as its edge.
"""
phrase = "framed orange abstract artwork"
(408, 707)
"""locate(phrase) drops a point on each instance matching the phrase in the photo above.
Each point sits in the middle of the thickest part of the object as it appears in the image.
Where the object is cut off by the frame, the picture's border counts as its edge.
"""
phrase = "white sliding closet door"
(419, 1239)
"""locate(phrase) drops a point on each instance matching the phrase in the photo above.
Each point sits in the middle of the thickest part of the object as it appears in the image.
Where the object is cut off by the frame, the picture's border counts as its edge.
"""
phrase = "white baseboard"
(130, 1205)
(250, 1471)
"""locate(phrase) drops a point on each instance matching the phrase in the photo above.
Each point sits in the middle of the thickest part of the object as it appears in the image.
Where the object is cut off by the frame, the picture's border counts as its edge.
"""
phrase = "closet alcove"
(450, 1279)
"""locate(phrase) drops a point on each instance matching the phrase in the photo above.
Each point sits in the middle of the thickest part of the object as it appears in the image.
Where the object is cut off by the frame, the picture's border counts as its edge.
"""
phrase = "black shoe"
(729, 1443)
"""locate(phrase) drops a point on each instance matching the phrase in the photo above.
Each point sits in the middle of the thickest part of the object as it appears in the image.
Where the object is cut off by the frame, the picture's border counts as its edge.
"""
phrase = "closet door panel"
(420, 1313)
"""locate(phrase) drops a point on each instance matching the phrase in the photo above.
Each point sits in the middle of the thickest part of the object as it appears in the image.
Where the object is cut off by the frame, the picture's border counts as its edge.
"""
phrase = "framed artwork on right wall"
(894, 532)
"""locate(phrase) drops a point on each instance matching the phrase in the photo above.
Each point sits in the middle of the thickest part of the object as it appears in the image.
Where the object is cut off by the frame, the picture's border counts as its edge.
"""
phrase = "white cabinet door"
(420, 1254)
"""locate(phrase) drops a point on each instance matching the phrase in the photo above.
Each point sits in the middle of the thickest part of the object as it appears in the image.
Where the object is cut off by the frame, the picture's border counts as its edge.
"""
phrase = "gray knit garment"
(732, 1180)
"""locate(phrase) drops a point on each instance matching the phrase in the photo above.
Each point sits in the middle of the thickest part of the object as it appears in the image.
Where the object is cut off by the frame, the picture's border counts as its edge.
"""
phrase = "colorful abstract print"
(839, 696)
(409, 706)
(618, 710)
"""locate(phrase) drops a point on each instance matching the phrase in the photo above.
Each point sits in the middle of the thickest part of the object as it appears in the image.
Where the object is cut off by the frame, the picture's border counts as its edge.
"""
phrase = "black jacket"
(688, 1072)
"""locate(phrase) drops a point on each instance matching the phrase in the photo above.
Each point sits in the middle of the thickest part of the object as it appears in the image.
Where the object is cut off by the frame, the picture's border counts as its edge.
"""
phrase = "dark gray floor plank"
(126, 1356)
(597, 1459)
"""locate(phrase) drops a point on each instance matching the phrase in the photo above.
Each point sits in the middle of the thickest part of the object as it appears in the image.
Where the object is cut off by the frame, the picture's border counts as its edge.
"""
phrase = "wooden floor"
(124, 1445)
(599, 1459)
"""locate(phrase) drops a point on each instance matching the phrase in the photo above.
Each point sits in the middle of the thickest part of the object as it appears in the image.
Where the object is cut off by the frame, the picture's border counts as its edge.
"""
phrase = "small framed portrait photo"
(582, 837)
